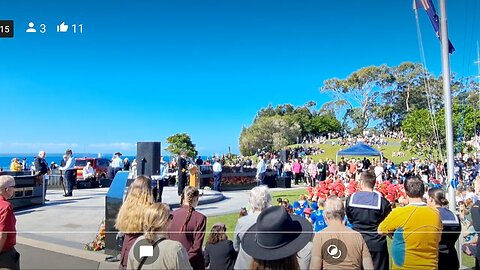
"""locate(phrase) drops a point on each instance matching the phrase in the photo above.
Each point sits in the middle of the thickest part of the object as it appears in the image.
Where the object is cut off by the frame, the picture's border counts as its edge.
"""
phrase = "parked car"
(100, 165)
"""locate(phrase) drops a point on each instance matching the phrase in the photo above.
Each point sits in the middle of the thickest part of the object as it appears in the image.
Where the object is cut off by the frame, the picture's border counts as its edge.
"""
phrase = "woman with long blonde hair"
(130, 217)
(171, 254)
(188, 227)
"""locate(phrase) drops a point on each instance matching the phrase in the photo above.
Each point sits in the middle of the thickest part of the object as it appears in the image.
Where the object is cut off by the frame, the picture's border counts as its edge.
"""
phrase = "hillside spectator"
(188, 227)
(270, 247)
(219, 252)
(130, 219)
(447, 254)
(365, 209)
(172, 254)
(417, 230)
(357, 257)
(259, 200)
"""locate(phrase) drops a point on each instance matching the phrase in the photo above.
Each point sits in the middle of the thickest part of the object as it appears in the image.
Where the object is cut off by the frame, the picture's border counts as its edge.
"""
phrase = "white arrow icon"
(62, 27)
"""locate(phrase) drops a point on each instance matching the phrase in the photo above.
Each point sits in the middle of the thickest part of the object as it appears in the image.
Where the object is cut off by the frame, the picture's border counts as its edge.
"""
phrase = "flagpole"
(447, 96)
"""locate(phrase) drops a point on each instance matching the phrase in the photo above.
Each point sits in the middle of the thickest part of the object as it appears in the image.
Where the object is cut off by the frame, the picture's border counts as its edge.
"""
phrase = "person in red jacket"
(9, 257)
(188, 227)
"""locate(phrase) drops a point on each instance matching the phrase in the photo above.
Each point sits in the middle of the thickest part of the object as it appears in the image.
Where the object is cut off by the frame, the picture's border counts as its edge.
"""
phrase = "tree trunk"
(408, 97)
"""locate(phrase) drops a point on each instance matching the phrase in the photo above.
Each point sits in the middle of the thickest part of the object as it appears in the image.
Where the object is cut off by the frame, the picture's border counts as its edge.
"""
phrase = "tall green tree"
(181, 142)
(268, 133)
(361, 90)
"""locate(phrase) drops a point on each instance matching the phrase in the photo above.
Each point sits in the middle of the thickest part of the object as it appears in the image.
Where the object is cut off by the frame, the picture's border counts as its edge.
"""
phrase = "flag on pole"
(432, 15)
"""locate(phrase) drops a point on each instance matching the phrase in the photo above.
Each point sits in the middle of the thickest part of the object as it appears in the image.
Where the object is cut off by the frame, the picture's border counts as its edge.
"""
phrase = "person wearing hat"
(338, 247)
(117, 163)
(276, 238)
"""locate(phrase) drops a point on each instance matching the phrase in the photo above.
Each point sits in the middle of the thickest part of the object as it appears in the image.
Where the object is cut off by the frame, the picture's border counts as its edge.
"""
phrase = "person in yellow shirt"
(15, 166)
(416, 229)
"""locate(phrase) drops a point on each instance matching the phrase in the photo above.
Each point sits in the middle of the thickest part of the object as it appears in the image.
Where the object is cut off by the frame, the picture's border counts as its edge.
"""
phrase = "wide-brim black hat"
(276, 235)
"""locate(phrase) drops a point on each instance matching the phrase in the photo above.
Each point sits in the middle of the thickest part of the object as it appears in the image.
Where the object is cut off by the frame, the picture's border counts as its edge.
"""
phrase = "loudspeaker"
(284, 155)
(148, 158)
(284, 182)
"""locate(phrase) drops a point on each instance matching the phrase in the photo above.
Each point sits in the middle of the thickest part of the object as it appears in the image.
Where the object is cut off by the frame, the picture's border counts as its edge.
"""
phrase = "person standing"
(158, 182)
(416, 228)
(260, 199)
(126, 165)
(131, 216)
(9, 257)
(365, 209)
(297, 170)
(188, 227)
(217, 175)
(447, 254)
(219, 252)
(41, 169)
(69, 172)
(182, 172)
(356, 254)
(261, 169)
(117, 163)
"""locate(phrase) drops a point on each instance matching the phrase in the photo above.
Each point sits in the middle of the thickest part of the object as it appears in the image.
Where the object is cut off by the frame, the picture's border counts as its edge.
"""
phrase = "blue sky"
(144, 70)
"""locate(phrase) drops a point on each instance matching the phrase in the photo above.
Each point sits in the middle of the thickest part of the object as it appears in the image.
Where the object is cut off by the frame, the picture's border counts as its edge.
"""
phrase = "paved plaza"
(53, 236)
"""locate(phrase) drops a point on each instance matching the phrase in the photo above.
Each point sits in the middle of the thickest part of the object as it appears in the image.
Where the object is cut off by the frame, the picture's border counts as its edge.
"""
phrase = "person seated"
(89, 172)
(15, 166)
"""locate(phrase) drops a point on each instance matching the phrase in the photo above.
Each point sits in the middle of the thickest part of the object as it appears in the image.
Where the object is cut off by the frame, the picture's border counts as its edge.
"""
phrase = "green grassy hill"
(331, 150)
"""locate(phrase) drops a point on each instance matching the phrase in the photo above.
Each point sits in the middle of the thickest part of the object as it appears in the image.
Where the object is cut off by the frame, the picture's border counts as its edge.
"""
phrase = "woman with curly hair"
(171, 255)
(131, 214)
(219, 252)
(188, 227)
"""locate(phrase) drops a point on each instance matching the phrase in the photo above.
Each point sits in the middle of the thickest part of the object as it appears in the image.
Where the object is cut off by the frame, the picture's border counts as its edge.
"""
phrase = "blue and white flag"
(432, 15)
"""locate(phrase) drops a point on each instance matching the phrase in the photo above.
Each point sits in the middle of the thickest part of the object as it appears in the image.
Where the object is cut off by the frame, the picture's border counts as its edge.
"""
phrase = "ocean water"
(6, 159)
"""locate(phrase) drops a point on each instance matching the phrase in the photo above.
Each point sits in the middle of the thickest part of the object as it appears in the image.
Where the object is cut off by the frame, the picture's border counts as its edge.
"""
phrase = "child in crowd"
(219, 252)
(317, 218)
(286, 204)
(280, 201)
(303, 201)
(243, 212)
(297, 210)
(307, 213)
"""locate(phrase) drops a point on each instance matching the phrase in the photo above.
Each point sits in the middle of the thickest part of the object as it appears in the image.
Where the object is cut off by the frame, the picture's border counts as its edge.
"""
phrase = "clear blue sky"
(144, 70)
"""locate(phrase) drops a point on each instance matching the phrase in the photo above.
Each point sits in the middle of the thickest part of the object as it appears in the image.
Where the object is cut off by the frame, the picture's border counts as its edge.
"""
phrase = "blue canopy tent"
(359, 149)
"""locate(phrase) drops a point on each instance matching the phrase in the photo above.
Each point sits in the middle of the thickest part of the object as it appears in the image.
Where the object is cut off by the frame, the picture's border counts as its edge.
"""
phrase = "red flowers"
(323, 190)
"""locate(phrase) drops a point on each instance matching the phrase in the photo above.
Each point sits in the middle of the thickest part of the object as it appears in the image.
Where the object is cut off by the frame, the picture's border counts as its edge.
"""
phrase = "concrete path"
(53, 236)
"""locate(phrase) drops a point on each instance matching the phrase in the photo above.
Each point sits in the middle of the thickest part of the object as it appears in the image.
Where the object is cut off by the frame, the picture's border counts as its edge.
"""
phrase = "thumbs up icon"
(62, 28)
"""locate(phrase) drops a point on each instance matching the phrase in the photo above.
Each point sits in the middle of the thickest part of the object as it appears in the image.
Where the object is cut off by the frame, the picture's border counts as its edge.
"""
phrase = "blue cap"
(314, 206)
(296, 205)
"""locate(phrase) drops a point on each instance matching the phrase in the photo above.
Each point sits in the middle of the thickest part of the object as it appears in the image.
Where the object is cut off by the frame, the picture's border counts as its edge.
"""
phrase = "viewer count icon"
(31, 28)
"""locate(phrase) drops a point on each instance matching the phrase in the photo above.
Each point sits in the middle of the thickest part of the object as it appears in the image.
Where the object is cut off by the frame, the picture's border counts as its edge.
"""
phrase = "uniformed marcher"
(365, 210)
(447, 254)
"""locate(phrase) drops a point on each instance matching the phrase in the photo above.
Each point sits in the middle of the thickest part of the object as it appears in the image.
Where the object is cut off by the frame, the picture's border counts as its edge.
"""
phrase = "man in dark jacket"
(182, 172)
(41, 169)
(365, 210)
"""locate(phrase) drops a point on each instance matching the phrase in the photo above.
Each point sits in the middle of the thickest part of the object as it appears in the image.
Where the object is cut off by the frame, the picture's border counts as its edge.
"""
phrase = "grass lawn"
(392, 146)
(230, 220)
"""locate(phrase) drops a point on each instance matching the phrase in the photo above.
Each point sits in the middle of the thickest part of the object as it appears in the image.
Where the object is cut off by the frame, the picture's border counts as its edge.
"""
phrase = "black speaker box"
(148, 158)
(284, 155)
(284, 182)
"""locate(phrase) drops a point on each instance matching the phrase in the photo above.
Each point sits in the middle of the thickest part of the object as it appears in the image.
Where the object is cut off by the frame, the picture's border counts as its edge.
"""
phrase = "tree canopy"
(181, 142)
